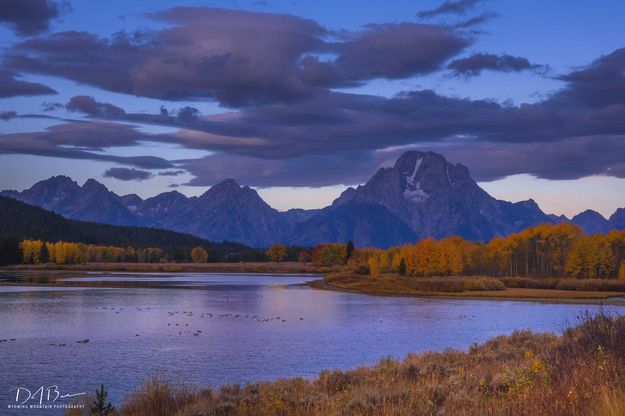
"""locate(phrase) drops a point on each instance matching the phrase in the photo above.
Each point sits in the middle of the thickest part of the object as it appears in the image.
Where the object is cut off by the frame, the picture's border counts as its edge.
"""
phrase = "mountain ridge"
(421, 195)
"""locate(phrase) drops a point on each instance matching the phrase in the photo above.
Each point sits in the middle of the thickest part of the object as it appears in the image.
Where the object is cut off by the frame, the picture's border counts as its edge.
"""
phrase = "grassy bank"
(581, 372)
(480, 287)
(243, 267)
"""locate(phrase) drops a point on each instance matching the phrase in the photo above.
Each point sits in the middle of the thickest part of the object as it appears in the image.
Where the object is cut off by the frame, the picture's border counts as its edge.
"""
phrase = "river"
(214, 329)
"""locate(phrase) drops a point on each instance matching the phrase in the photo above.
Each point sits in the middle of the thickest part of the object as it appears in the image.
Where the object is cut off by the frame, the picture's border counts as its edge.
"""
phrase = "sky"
(301, 99)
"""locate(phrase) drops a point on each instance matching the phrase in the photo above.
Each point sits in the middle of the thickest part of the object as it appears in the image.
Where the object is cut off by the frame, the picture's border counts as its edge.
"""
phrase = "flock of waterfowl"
(179, 326)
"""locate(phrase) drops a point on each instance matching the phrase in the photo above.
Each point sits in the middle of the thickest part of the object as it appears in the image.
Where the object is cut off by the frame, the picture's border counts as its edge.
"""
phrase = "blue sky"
(560, 40)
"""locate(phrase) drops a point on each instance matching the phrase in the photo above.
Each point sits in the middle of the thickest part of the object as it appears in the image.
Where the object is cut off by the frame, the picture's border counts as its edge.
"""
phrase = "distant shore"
(338, 279)
(458, 287)
(243, 267)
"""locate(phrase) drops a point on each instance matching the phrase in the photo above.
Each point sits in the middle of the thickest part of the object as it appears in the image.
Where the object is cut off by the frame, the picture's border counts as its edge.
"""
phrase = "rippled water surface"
(213, 329)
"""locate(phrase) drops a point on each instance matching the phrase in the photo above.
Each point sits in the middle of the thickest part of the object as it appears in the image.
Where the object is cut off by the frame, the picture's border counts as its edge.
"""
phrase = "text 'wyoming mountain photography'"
(311, 208)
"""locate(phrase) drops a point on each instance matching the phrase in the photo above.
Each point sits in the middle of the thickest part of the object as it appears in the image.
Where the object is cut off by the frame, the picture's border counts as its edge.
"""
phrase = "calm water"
(249, 327)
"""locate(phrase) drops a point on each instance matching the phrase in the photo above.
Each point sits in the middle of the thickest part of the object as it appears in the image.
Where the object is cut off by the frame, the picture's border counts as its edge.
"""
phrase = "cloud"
(82, 140)
(28, 17)
(88, 105)
(172, 173)
(475, 64)
(313, 170)
(52, 106)
(475, 21)
(12, 87)
(7, 115)
(398, 51)
(571, 158)
(599, 84)
(291, 128)
(238, 58)
(342, 138)
(125, 174)
(187, 114)
(450, 7)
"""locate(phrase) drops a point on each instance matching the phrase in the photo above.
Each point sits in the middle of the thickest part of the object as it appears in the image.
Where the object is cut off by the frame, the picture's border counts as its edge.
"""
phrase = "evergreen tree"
(100, 407)
(350, 249)
(402, 267)
(44, 256)
(10, 252)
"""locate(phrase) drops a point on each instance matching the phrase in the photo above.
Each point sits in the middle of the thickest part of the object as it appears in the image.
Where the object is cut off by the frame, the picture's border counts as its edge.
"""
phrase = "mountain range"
(421, 195)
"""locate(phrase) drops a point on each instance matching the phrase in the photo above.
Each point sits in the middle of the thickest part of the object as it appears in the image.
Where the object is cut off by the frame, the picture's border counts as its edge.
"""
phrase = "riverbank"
(579, 373)
(344, 279)
(243, 267)
(473, 287)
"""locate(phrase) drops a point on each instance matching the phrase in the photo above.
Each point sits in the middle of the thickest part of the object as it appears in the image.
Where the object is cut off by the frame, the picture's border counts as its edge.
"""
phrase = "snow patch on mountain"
(411, 180)
(417, 194)
(413, 190)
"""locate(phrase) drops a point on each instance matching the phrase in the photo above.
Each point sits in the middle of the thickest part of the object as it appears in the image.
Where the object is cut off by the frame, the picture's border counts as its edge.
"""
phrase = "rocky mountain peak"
(617, 220)
(54, 183)
(591, 221)
(227, 187)
(93, 186)
(427, 173)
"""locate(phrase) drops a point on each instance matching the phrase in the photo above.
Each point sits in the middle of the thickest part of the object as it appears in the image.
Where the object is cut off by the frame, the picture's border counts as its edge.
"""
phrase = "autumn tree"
(304, 256)
(329, 254)
(199, 255)
(374, 266)
(621, 271)
(277, 252)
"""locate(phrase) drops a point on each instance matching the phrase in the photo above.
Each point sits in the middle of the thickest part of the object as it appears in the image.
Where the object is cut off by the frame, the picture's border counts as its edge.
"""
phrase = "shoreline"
(594, 298)
(243, 267)
(293, 268)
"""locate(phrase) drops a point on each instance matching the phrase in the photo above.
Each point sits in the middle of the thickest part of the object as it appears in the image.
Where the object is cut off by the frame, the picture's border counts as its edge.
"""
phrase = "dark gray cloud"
(292, 130)
(475, 64)
(12, 87)
(398, 51)
(187, 114)
(7, 115)
(568, 159)
(28, 17)
(88, 105)
(342, 138)
(598, 85)
(172, 173)
(237, 57)
(312, 170)
(82, 140)
(571, 158)
(126, 174)
(52, 106)
(450, 7)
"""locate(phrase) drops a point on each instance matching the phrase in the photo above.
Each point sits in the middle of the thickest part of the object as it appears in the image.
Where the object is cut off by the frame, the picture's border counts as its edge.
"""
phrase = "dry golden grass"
(581, 373)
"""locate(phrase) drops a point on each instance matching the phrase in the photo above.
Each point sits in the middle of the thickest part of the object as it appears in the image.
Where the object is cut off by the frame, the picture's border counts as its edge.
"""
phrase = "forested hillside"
(26, 222)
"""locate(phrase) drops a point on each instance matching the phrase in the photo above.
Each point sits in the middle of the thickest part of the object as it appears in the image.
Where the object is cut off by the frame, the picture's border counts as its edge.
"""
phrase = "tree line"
(560, 250)
(62, 252)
